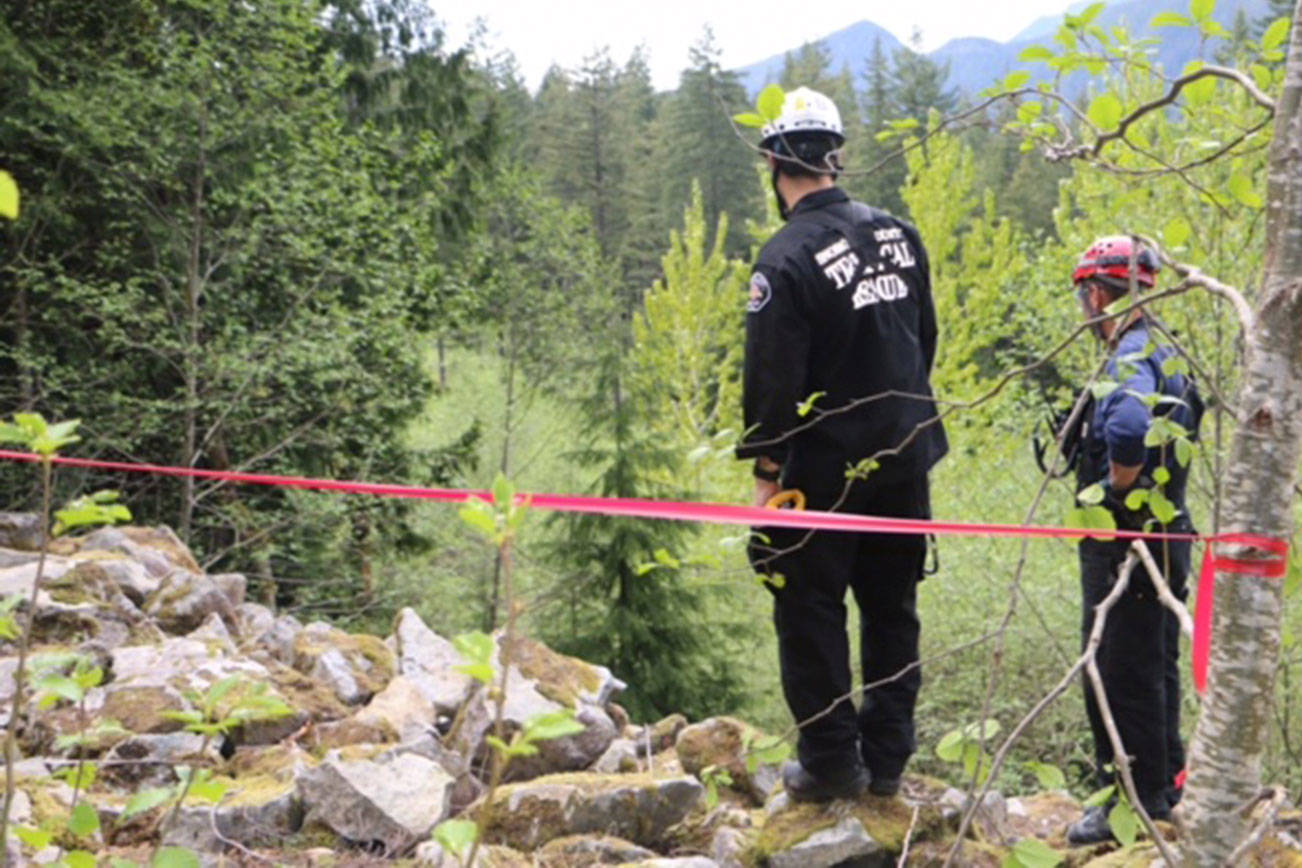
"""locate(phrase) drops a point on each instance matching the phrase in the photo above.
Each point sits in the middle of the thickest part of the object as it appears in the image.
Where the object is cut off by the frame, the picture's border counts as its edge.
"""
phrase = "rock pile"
(386, 738)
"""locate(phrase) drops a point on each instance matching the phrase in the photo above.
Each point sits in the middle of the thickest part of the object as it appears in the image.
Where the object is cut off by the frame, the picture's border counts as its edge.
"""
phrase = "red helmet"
(1109, 257)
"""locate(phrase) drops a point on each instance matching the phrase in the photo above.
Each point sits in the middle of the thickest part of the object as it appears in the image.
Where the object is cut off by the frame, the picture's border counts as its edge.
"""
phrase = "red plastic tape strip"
(1268, 568)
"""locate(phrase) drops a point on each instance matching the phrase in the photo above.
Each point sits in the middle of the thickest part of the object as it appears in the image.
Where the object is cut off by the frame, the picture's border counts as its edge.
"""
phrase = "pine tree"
(881, 186)
(918, 84)
(626, 602)
(700, 145)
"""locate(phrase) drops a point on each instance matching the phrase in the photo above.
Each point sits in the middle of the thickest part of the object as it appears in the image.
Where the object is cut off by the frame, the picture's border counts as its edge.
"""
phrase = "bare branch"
(1177, 85)
(1163, 589)
(1194, 276)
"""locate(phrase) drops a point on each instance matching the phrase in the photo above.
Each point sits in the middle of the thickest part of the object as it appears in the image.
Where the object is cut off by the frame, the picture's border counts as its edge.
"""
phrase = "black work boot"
(801, 786)
(881, 785)
(1093, 828)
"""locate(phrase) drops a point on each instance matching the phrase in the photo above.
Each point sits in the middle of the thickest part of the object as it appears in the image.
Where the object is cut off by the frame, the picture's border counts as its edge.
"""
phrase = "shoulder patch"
(760, 293)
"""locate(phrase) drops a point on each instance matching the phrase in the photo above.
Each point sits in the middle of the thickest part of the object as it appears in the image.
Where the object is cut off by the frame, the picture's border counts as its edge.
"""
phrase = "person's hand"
(764, 491)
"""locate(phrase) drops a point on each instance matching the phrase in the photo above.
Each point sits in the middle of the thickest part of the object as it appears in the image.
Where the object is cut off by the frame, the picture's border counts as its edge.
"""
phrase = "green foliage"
(477, 650)
(230, 702)
(687, 344)
(211, 300)
(31, 431)
(1032, 853)
(90, 510)
(456, 836)
(966, 745)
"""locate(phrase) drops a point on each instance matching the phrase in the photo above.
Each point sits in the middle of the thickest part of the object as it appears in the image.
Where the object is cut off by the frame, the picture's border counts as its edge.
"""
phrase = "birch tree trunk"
(1230, 738)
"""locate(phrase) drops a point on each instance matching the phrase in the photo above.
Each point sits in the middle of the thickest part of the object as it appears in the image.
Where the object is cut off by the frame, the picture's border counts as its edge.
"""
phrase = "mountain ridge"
(977, 62)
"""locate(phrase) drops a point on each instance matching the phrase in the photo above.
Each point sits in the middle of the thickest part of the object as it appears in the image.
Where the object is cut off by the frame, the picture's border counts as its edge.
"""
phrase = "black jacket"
(840, 303)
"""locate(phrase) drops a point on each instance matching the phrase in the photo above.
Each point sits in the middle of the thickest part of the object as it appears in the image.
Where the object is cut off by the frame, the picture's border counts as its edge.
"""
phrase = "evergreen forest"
(314, 238)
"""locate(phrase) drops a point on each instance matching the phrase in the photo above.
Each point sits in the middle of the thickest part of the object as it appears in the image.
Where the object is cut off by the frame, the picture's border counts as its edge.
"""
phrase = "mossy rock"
(140, 709)
(723, 742)
(973, 854)
(886, 820)
(561, 678)
(638, 808)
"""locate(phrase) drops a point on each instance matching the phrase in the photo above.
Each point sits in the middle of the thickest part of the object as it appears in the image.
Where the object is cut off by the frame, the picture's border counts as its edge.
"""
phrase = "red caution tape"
(723, 513)
(629, 507)
(1274, 566)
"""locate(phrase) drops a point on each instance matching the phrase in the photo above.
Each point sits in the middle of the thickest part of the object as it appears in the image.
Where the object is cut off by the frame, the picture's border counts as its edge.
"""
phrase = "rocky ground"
(386, 739)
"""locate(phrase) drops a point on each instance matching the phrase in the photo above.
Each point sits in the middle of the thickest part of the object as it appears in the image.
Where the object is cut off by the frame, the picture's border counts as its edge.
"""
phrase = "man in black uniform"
(1139, 653)
(840, 308)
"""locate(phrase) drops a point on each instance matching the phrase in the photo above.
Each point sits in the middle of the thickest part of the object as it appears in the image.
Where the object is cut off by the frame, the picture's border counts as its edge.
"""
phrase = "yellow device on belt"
(791, 498)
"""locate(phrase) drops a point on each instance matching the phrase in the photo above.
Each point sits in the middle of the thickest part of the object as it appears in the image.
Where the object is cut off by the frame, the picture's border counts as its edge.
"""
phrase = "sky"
(542, 33)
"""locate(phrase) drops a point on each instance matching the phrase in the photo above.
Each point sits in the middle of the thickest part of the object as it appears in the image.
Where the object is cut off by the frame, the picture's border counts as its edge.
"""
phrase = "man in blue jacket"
(1139, 652)
(840, 319)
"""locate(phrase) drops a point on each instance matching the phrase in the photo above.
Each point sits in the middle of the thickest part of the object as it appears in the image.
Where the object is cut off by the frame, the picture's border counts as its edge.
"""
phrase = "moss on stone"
(140, 709)
(887, 821)
(560, 678)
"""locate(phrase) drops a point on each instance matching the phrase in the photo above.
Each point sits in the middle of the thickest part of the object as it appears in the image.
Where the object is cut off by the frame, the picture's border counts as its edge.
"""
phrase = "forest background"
(359, 253)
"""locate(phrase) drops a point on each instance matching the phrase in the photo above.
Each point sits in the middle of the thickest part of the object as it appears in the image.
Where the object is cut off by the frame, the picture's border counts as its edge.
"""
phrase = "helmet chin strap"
(783, 211)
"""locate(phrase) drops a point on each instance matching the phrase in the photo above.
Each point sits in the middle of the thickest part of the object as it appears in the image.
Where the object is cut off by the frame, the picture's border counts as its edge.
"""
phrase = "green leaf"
(84, 820)
(1029, 111)
(145, 800)
(805, 407)
(950, 746)
(37, 839)
(60, 687)
(1240, 188)
(769, 750)
(1273, 38)
(1034, 853)
(1201, 10)
(1173, 365)
(1199, 92)
(1163, 509)
(1136, 499)
(1105, 111)
(1100, 796)
(1016, 80)
(1170, 19)
(1183, 451)
(479, 516)
(1094, 518)
(503, 491)
(769, 103)
(550, 725)
(1176, 232)
(1103, 388)
(1091, 12)
(206, 788)
(1161, 476)
(1049, 776)
(1262, 76)
(8, 196)
(79, 859)
(456, 836)
(748, 119)
(175, 857)
(1090, 495)
(1033, 53)
(1124, 823)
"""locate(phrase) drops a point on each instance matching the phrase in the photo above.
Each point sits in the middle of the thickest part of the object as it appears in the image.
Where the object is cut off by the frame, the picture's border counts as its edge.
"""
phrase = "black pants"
(1138, 661)
(882, 571)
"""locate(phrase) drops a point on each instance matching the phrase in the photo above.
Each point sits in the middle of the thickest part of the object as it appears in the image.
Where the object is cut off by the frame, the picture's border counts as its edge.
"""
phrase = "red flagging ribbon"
(1274, 566)
(723, 513)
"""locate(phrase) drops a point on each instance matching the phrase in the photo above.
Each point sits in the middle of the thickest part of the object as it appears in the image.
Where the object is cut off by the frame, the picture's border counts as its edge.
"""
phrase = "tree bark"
(1233, 727)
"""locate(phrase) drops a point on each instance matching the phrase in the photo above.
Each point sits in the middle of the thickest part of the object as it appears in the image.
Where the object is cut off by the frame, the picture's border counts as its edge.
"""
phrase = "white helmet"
(804, 111)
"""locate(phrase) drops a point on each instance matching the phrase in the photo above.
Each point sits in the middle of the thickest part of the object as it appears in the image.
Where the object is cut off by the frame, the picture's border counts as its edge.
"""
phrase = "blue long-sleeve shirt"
(1121, 418)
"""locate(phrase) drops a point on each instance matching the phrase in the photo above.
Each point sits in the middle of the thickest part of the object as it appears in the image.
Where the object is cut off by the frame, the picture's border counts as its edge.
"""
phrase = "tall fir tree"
(873, 177)
(699, 145)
